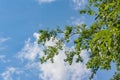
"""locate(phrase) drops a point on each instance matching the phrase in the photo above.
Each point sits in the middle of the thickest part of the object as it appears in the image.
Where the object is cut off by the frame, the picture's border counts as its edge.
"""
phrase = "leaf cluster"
(102, 37)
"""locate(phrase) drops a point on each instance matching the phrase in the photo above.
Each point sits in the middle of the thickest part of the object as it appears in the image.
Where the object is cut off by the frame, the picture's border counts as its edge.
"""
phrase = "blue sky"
(20, 21)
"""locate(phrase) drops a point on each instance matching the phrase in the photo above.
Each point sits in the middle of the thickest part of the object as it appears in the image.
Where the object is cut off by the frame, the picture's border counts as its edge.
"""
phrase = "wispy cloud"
(3, 59)
(45, 1)
(78, 4)
(59, 70)
(76, 21)
(10, 71)
(2, 40)
(30, 51)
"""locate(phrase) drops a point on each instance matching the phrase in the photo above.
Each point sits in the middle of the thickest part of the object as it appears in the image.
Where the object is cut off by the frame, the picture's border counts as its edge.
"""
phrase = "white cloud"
(30, 51)
(45, 1)
(78, 4)
(7, 75)
(59, 70)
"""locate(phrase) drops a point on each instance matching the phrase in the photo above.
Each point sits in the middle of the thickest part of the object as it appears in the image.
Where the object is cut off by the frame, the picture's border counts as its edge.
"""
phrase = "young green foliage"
(102, 38)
